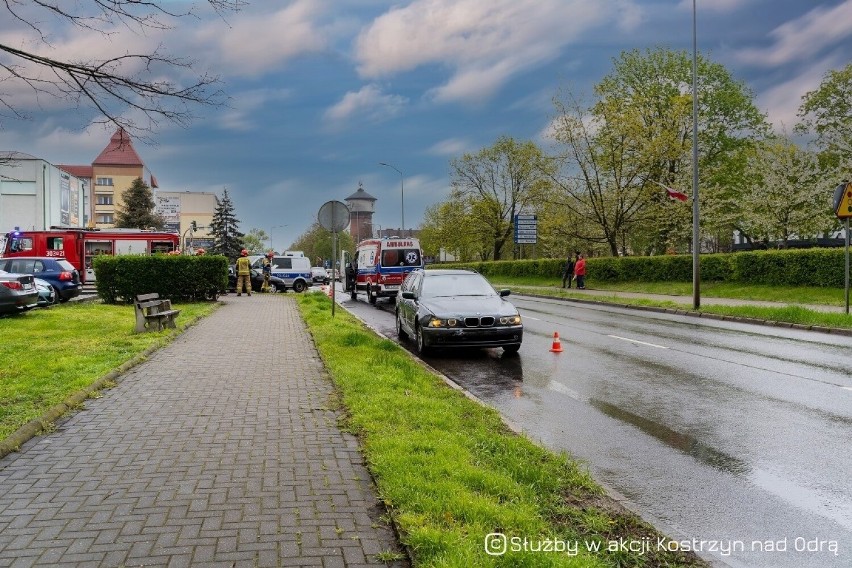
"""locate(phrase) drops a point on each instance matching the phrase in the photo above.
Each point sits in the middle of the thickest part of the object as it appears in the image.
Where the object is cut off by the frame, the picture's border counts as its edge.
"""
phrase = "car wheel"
(511, 348)
(299, 286)
(353, 293)
(400, 332)
(422, 348)
(56, 297)
(370, 296)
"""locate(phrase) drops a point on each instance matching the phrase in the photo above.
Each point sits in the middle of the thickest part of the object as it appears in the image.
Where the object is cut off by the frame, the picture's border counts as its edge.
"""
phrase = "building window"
(104, 218)
(103, 181)
(104, 199)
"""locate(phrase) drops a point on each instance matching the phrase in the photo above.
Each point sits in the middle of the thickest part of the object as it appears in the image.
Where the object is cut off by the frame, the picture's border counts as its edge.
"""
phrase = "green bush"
(179, 278)
(819, 267)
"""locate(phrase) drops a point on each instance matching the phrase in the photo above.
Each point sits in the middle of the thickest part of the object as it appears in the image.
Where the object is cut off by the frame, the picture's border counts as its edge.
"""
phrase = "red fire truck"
(79, 246)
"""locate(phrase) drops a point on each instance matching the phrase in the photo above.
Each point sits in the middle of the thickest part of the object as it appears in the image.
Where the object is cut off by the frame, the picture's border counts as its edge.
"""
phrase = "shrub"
(820, 267)
(179, 278)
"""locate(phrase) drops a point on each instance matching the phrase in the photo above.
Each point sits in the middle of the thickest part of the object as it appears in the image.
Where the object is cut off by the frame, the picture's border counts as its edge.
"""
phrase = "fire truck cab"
(382, 265)
(80, 246)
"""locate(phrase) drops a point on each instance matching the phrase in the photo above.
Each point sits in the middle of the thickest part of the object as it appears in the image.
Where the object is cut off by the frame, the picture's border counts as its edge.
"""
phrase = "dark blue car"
(60, 273)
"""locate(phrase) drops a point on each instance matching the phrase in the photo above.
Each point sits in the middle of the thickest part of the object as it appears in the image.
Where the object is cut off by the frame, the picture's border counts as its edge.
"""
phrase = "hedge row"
(179, 278)
(822, 267)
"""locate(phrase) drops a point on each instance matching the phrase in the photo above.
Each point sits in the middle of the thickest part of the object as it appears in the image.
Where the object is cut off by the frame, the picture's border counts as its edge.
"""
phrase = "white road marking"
(639, 342)
(847, 388)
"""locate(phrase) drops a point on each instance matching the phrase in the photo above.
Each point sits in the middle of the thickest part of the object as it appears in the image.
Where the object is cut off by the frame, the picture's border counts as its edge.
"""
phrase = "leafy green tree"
(637, 134)
(254, 241)
(227, 238)
(316, 243)
(494, 185)
(786, 197)
(827, 114)
(137, 212)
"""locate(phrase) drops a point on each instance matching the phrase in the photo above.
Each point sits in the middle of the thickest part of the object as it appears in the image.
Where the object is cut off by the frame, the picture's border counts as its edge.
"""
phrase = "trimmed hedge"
(176, 277)
(821, 267)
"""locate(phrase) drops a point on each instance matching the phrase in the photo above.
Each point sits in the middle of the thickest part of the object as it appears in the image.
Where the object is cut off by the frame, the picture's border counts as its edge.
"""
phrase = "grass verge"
(50, 354)
(795, 314)
(450, 472)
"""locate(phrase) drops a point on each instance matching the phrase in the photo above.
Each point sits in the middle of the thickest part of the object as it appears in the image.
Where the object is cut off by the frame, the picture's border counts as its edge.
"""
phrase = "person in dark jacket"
(568, 272)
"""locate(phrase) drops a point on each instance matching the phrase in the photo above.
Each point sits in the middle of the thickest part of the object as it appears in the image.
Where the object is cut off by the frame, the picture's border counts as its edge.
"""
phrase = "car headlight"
(436, 322)
(511, 320)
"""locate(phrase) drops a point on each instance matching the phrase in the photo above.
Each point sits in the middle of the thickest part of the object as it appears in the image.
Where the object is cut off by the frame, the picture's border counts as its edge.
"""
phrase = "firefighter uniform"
(243, 273)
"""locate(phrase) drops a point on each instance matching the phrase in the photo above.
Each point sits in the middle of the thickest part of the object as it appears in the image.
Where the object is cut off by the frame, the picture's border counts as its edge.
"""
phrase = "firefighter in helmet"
(243, 269)
(267, 272)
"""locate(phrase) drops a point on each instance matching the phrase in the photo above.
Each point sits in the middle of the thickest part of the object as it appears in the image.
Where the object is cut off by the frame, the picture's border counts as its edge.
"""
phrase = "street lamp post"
(696, 242)
(401, 190)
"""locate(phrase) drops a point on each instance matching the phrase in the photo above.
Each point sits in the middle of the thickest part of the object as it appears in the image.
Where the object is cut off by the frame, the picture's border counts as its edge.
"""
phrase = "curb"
(38, 425)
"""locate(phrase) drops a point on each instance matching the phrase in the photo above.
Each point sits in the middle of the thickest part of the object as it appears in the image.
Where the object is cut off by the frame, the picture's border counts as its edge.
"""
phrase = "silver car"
(18, 292)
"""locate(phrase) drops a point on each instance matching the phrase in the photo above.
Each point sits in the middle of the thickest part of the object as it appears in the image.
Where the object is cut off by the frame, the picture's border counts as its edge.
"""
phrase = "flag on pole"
(673, 193)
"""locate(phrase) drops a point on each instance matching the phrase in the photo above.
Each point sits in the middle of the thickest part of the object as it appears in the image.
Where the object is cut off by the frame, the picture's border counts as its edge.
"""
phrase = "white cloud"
(782, 101)
(803, 38)
(257, 43)
(245, 108)
(369, 103)
(483, 43)
(450, 147)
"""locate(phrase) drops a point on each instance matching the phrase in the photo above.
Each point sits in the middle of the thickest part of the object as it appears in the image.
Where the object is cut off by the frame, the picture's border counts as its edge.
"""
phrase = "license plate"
(391, 287)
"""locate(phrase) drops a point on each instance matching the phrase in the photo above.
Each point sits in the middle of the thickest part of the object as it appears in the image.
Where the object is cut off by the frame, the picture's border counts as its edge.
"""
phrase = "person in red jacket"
(580, 272)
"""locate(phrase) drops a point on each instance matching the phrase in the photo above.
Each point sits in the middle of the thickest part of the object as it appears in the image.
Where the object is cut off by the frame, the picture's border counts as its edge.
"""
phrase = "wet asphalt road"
(735, 437)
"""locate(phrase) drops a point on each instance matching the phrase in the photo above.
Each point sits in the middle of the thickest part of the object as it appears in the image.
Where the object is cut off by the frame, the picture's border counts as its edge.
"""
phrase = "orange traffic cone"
(557, 345)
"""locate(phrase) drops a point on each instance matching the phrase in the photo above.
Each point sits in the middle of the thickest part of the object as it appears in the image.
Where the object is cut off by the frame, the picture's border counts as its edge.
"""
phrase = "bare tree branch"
(113, 85)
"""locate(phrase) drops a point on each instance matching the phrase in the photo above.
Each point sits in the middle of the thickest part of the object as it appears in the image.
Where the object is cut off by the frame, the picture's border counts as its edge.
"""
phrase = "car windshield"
(437, 286)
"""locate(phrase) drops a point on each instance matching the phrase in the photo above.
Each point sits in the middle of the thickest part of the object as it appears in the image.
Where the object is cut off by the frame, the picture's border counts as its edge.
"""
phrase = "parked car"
(17, 292)
(46, 294)
(256, 281)
(456, 308)
(319, 275)
(60, 273)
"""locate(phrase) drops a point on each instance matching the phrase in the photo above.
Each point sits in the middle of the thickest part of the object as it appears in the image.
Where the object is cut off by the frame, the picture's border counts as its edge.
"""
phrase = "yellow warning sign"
(844, 203)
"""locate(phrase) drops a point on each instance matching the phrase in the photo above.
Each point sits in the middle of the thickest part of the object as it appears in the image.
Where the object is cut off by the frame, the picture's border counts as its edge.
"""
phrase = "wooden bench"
(154, 313)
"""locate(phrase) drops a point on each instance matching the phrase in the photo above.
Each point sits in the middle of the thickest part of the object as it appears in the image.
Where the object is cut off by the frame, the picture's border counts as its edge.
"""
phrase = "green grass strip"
(449, 470)
(789, 314)
(49, 354)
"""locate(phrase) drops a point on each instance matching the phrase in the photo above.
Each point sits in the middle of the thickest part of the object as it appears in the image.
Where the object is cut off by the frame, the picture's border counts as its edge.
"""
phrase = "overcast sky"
(321, 91)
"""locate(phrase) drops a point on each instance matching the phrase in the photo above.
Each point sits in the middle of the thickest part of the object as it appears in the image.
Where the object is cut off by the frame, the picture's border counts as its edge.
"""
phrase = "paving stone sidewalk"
(219, 450)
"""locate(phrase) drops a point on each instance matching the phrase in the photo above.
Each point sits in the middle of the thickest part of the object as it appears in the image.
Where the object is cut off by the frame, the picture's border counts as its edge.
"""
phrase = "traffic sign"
(843, 201)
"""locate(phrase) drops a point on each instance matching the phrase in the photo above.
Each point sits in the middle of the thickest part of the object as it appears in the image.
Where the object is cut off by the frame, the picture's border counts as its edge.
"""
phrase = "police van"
(382, 265)
(293, 267)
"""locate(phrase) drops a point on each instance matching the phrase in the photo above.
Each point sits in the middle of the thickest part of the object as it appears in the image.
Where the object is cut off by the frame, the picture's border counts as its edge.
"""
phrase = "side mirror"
(409, 296)
(504, 293)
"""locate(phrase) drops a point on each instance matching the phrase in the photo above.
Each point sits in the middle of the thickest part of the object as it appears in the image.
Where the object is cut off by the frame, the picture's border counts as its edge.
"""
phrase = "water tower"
(362, 205)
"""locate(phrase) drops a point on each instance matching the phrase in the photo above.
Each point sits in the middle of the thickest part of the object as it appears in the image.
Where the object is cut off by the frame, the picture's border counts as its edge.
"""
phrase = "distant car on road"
(18, 292)
(456, 308)
(319, 275)
(61, 274)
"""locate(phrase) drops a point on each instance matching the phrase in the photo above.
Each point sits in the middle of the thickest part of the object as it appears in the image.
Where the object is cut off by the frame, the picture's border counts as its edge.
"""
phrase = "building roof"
(77, 171)
(119, 152)
(360, 194)
(15, 155)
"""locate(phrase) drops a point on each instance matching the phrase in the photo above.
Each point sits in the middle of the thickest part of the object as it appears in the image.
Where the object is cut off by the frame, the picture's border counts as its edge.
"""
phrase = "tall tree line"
(604, 191)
